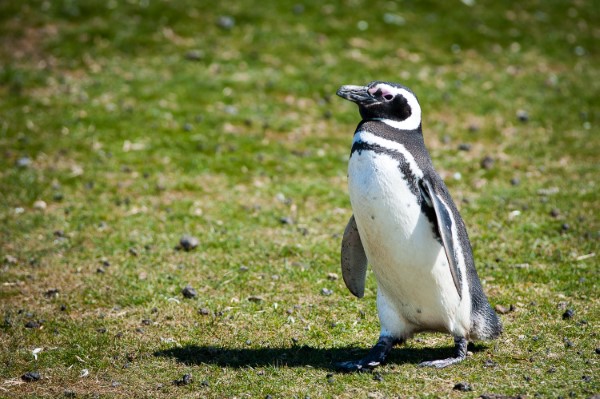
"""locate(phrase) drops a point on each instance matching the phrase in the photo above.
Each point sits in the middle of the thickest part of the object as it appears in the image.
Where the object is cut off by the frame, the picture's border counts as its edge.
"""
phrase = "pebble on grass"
(32, 324)
(226, 22)
(188, 242)
(189, 292)
(204, 311)
(194, 55)
(31, 376)
(185, 380)
(522, 115)
(326, 291)
(569, 313)
(53, 293)
(255, 298)
(463, 387)
(503, 309)
(487, 162)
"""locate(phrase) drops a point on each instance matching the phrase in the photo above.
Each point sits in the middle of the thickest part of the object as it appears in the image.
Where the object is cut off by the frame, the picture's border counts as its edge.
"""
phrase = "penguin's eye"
(388, 97)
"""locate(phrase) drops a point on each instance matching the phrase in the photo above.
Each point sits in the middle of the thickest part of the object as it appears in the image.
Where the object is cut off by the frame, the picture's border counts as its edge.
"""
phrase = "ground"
(125, 125)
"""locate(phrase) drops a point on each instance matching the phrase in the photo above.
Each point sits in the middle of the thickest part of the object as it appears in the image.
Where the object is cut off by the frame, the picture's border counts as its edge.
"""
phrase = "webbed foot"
(460, 354)
(374, 358)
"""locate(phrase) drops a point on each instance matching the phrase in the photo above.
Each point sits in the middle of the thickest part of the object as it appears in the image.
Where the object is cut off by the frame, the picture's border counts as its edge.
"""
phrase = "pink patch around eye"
(382, 91)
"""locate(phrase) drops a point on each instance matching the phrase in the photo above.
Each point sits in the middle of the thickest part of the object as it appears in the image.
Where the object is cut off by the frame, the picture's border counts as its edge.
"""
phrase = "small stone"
(286, 220)
(555, 213)
(332, 276)
(255, 298)
(568, 343)
(185, 380)
(503, 309)
(32, 324)
(204, 311)
(226, 22)
(205, 383)
(194, 55)
(515, 181)
(31, 376)
(586, 378)
(326, 291)
(40, 205)
(464, 147)
(463, 387)
(24, 162)
(298, 9)
(133, 252)
(568, 314)
(11, 260)
(522, 115)
(377, 377)
(489, 363)
(115, 384)
(187, 242)
(53, 293)
(487, 162)
(565, 227)
(63, 307)
(100, 271)
(146, 322)
(189, 292)
(548, 191)
(551, 370)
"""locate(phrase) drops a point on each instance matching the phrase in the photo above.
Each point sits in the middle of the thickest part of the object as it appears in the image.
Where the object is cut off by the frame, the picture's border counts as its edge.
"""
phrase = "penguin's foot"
(374, 358)
(460, 346)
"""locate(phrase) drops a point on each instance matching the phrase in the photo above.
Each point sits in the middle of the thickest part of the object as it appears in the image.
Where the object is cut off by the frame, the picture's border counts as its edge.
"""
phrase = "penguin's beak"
(356, 94)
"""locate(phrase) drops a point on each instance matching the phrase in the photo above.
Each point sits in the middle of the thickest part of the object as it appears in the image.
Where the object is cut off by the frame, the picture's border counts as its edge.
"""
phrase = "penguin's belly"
(408, 261)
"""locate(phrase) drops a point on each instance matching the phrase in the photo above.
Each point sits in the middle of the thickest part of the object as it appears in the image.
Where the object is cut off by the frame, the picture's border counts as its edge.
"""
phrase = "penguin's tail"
(486, 324)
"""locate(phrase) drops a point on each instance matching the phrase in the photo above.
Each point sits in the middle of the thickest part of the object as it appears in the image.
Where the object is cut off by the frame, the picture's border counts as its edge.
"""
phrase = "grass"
(139, 121)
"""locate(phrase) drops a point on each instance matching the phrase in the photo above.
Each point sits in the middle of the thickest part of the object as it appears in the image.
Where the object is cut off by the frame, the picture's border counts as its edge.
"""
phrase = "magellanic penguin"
(406, 226)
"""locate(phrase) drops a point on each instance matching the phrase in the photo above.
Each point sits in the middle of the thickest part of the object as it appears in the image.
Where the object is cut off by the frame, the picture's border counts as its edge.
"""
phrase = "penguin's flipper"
(354, 260)
(444, 226)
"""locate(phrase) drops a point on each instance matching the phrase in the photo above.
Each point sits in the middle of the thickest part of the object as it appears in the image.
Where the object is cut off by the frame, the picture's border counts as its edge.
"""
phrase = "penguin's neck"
(379, 127)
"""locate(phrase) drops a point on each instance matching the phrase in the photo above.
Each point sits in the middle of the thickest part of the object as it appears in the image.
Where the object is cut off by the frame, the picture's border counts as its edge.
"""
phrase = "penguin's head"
(390, 102)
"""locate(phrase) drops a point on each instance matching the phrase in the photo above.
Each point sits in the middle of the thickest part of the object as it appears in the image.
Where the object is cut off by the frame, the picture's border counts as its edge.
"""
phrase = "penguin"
(406, 226)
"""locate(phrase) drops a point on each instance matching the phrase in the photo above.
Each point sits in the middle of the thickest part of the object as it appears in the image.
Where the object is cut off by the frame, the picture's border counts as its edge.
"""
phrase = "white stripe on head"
(414, 120)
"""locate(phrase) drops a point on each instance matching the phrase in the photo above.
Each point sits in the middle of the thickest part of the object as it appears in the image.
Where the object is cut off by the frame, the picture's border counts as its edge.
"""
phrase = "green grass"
(133, 144)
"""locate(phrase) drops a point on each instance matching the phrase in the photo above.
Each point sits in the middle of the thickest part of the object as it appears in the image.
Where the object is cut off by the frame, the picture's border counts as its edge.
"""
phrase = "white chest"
(409, 263)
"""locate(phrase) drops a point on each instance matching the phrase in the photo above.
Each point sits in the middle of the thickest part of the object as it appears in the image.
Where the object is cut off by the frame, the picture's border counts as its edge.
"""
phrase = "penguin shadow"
(298, 356)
